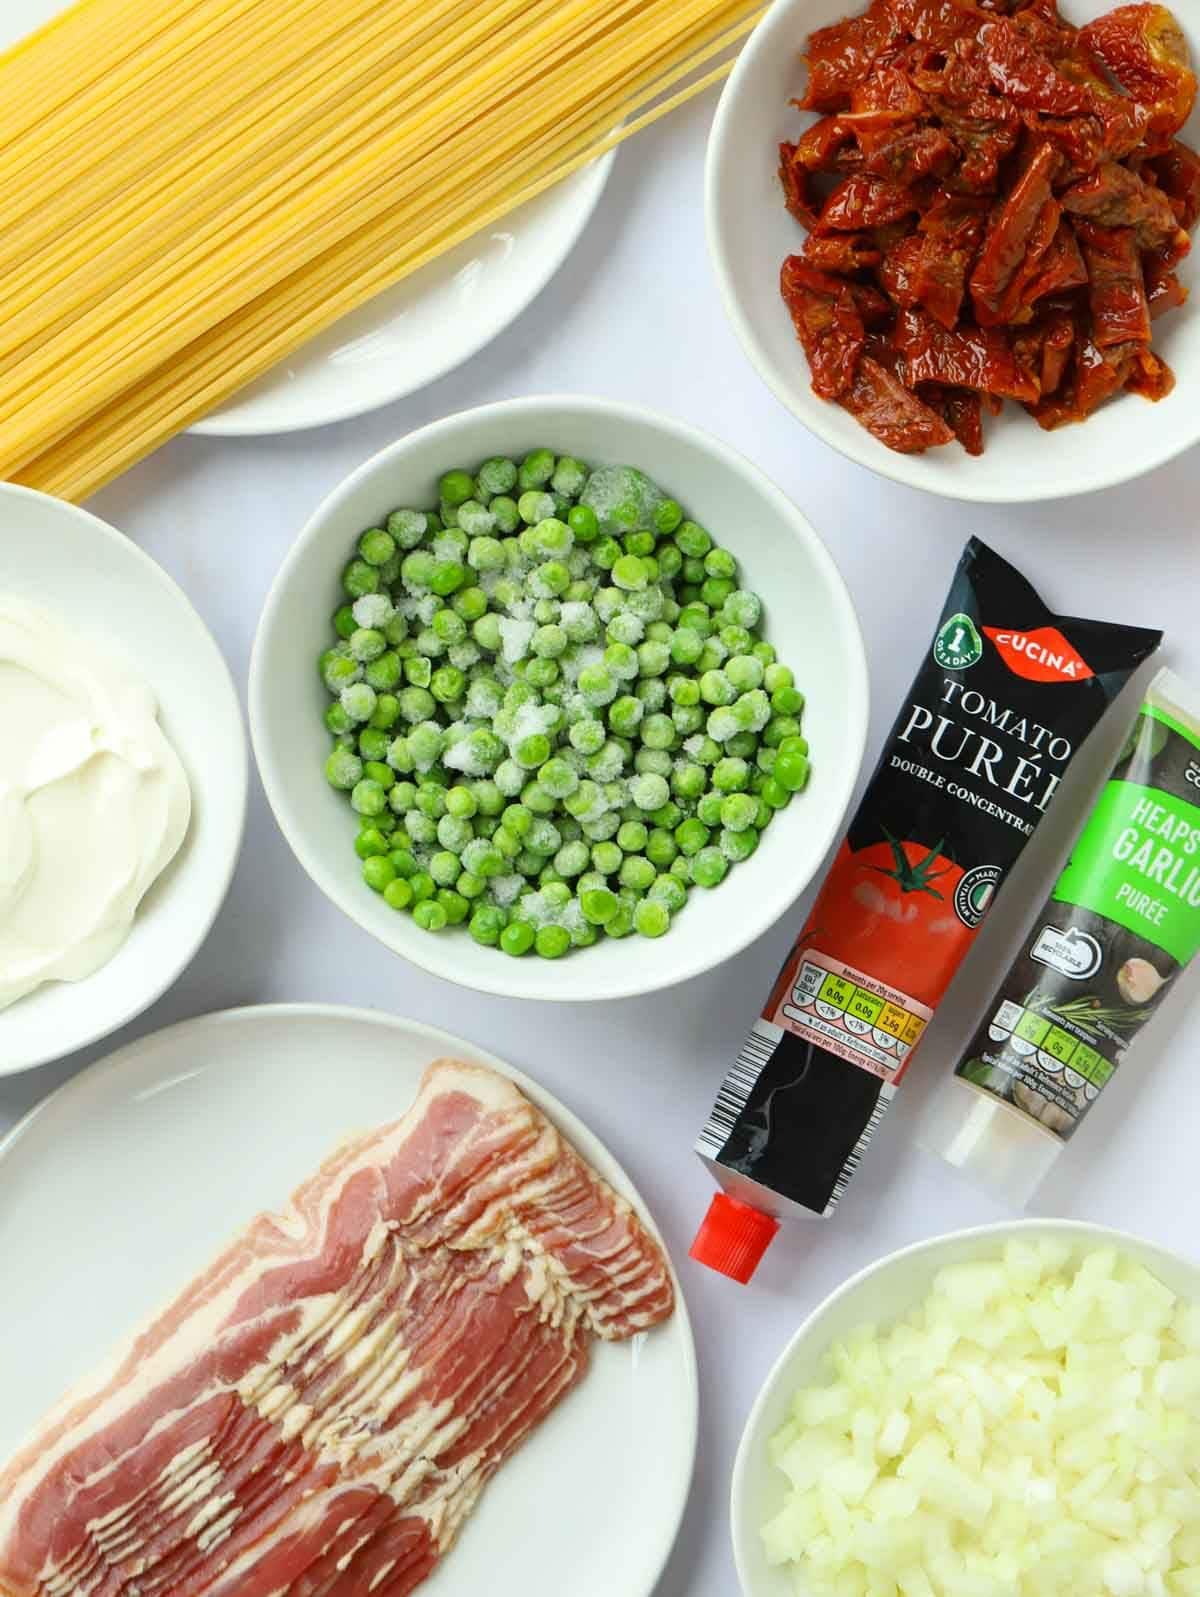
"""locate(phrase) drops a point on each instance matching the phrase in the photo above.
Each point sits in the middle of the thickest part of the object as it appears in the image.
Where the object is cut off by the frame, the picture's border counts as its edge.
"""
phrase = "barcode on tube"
(739, 1083)
(887, 1093)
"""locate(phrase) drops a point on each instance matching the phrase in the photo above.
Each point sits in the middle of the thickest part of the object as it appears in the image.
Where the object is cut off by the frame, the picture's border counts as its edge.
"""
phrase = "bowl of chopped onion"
(969, 276)
(1004, 1410)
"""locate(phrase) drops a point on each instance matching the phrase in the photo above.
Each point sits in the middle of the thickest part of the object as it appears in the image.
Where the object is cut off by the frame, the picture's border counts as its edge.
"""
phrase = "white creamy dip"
(94, 803)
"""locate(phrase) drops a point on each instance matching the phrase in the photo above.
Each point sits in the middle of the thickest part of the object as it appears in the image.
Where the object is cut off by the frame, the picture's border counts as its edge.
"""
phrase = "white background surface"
(635, 315)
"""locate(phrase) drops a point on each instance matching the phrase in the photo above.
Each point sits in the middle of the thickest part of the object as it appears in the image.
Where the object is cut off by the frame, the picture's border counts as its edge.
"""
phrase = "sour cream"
(94, 803)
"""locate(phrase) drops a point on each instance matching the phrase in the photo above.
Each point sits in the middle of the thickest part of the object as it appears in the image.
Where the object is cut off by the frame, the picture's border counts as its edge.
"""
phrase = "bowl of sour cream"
(122, 779)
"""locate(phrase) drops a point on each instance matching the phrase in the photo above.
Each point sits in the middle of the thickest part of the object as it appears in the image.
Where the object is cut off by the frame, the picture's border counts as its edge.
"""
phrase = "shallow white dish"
(70, 562)
(411, 335)
(750, 234)
(126, 1182)
(881, 1293)
(809, 617)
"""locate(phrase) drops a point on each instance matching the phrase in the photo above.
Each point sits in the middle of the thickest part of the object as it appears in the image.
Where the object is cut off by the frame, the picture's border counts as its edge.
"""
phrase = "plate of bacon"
(953, 235)
(455, 1358)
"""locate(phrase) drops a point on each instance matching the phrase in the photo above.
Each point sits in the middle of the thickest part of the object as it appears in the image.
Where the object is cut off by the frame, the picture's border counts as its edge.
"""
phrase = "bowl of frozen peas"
(559, 699)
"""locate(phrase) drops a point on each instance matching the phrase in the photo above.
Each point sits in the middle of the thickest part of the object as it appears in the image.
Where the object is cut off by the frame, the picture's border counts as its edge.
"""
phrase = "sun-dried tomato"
(1164, 291)
(860, 202)
(827, 146)
(1095, 376)
(1018, 230)
(843, 54)
(1143, 48)
(962, 411)
(1177, 171)
(898, 270)
(937, 22)
(910, 153)
(1024, 77)
(830, 330)
(972, 357)
(1114, 196)
(841, 252)
(797, 190)
(1043, 349)
(1150, 376)
(895, 416)
(1116, 290)
(952, 231)
(1061, 268)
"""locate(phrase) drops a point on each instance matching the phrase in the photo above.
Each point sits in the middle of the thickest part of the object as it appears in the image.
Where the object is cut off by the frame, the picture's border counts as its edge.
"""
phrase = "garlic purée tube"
(1106, 949)
(1004, 696)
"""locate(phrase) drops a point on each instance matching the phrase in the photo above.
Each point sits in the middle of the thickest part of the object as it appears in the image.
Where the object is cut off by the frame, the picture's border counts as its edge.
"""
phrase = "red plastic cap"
(733, 1237)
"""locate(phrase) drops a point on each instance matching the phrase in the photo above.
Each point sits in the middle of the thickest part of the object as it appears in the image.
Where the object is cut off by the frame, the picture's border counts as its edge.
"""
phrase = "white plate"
(77, 566)
(414, 333)
(125, 1183)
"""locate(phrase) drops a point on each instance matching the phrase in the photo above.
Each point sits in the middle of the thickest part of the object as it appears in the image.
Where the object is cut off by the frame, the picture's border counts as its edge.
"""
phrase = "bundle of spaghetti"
(179, 213)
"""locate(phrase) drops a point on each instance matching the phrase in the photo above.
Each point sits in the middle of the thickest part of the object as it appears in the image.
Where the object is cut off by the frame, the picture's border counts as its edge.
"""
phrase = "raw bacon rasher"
(318, 1412)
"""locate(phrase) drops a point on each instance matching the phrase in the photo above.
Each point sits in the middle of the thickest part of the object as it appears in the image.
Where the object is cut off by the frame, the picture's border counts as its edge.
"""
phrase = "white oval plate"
(124, 1184)
(72, 563)
(414, 333)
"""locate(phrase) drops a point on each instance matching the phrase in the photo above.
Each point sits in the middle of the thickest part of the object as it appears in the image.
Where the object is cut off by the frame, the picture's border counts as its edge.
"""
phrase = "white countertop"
(635, 315)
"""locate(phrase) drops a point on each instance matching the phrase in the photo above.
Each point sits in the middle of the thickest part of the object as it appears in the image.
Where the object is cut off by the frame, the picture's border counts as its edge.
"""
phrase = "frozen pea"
(444, 867)
(622, 661)
(716, 688)
(474, 520)
(738, 811)
(597, 685)
(731, 775)
(658, 731)
(549, 642)
(723, 724)
(625, 628)
(744, 672)
(368, 797)
(738, 845)
(416, 704)
(454, 832)
(607, 857)
(587, 735)
(558, 778)
(691, 836)
(625, 714)
(534, 506)
(649, 791)
(481, 859)
(631, 837)
(636, 873)
(358, 701)
(551, 942)
(425, 742)
(407, 527)
(687, 645)
(572, 859)
(742, 608)
(343, 769)
(693, 540)
(651, 918)
(607, 763)
(657, 762)
(653, 693)
(602, 828)
(670, 890)
(688, 780)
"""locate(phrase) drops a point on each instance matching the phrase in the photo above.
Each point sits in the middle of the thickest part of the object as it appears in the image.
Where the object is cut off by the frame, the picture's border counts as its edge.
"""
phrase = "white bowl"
(882, 1293)
(77, 566)
(750, 234)
(809, 617)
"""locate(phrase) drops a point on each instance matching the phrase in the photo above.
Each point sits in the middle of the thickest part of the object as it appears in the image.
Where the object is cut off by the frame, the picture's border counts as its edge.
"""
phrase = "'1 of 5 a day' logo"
(957, 644)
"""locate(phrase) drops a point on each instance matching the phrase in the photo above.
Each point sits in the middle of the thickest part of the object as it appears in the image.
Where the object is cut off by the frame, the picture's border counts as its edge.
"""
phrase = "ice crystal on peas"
(552, 708)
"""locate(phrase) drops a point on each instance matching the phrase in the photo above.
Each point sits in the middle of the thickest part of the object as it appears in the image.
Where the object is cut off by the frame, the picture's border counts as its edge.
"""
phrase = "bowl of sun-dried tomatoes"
(953, 235)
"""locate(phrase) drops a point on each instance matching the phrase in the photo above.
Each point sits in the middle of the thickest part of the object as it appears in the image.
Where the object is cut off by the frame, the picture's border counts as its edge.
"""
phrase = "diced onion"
(1031, 1428)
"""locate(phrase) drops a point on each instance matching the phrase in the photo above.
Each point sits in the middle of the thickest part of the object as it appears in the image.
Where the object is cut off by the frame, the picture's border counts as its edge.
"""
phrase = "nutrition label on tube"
(863, 1021)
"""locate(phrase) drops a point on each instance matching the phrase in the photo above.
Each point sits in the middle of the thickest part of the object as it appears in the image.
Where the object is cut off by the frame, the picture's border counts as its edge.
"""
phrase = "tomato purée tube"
(1101, 956)
(1006, 693)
